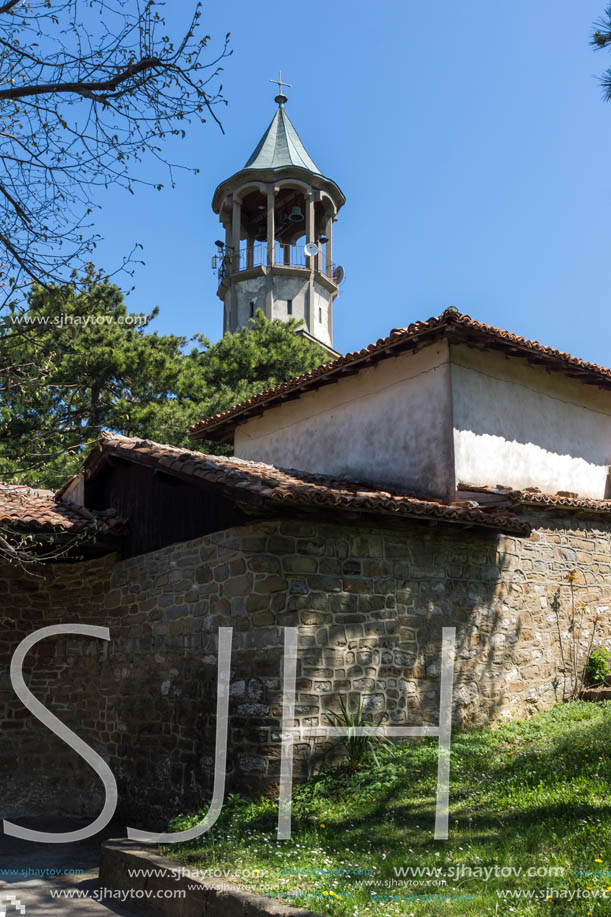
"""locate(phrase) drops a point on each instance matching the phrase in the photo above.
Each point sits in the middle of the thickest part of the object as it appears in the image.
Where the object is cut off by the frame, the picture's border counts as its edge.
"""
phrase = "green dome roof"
(281, 146)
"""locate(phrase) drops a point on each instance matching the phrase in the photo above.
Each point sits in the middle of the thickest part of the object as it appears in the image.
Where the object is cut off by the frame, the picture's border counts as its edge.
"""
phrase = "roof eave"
(450, 324)
(222, 430)
(269, 175)
(111, 448)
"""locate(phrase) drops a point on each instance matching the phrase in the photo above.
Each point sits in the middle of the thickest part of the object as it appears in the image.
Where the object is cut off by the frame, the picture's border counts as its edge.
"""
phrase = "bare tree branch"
(90, 89)
(7, 7)
(87, 89)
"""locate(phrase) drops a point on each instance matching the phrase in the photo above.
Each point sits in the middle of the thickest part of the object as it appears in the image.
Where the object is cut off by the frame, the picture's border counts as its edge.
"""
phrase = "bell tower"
(278, 213)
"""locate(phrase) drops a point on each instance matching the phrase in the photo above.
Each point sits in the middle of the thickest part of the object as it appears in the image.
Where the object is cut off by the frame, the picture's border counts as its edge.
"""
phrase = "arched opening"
(260, 235)
(290, 227)
(323, 228)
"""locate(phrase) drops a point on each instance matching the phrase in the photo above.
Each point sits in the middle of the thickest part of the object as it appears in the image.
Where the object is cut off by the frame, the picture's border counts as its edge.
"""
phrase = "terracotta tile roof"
(276, 486)
(461, 327)
(532, 497)
(560, 501)
(25, 508)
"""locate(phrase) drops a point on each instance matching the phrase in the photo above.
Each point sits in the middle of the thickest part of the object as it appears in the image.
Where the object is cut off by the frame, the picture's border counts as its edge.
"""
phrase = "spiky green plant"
(357, 746)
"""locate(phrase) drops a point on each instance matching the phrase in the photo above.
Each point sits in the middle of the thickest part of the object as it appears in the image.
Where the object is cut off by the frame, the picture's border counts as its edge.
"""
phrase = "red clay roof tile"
(290, 487)
(25, 509)
(220, 426)
(534, 498)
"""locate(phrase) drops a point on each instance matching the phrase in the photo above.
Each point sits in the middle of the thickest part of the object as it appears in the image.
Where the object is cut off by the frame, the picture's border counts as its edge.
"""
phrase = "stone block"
(299, 564)
(268, 584)
(238, 585)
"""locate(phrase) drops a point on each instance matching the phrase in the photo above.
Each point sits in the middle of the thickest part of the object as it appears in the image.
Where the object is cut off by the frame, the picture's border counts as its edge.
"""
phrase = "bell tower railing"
(248, 256)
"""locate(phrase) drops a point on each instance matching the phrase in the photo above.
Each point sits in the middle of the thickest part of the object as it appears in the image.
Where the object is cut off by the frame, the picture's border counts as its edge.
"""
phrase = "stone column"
(250, 251)
(236, 228)
(230, 294)
(309, 299)
(329, 235)
(309, 222)
(271, 228)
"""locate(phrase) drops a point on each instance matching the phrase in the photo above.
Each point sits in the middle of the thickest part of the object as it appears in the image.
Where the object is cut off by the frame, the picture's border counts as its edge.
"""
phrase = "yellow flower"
(597, 860)
(322, 826)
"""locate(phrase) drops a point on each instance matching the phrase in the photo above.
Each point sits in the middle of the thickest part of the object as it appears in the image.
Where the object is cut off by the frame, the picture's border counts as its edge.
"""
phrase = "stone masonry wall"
(369, 601)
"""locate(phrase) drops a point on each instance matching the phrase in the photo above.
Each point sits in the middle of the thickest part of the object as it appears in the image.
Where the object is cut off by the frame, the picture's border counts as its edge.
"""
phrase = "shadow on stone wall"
(370, 603)
(376, 638)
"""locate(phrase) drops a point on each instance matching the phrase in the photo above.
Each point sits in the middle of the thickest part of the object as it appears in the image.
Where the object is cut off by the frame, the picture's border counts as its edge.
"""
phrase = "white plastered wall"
(388, 424)
(520, 425)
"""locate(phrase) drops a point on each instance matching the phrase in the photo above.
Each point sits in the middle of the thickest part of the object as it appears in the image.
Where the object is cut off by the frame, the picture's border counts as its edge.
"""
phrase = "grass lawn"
(531, 794)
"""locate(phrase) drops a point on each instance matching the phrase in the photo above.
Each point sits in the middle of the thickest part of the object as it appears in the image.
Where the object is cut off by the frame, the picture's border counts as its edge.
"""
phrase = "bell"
(296, 216)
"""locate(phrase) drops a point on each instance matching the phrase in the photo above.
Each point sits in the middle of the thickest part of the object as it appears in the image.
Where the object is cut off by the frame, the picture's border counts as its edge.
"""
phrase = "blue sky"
(471, 143)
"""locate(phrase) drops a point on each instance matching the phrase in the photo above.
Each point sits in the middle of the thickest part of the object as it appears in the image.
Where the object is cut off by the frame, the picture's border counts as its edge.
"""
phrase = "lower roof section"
(268, 487)
(532, 497)
(27, 509)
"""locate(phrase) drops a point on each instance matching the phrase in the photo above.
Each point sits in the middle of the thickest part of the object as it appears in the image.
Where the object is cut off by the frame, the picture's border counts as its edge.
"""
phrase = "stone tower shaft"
(274, 207)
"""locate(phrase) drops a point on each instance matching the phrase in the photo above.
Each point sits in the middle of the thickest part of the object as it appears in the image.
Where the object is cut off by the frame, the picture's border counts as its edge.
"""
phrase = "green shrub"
(598, 665)
(357, 746)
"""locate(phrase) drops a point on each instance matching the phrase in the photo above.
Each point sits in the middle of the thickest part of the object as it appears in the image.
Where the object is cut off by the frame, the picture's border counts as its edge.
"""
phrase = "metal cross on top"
(281, 82)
